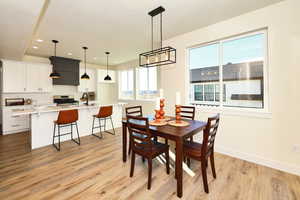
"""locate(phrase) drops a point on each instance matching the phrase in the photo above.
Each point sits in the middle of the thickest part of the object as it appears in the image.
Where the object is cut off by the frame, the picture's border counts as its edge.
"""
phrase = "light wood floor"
(95, 170)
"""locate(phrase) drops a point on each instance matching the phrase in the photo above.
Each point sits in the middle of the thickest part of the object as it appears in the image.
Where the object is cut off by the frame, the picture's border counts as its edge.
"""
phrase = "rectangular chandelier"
(158, 57)
(162, 55)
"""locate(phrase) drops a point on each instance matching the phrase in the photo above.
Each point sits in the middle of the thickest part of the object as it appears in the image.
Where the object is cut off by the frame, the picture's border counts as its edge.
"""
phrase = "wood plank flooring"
(94, 170)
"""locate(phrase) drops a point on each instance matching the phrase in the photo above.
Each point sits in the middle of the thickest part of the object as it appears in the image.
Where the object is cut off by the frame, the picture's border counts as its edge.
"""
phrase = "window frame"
(265, 111)
(135, 83)
(119, 85)
(137, 89)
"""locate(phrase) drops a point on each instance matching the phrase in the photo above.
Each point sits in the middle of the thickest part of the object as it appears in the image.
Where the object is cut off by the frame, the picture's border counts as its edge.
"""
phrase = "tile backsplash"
(45, 98)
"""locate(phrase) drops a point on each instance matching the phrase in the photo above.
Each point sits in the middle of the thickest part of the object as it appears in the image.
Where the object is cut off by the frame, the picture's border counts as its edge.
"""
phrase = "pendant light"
(107, 77)
(162, 55)
(85, 76)
(54, 73)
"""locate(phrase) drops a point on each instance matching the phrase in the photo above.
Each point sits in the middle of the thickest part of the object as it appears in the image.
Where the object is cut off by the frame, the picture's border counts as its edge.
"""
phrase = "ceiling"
(120, 26)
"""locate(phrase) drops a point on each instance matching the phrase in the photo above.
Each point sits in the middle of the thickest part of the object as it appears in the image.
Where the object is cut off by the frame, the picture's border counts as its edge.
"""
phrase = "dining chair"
(143, 145)
(133, 111)
(202, 152)
(187, 112)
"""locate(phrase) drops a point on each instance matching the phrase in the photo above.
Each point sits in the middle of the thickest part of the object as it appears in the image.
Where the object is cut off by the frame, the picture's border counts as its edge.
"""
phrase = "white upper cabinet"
(14, 76)
(37, 77)
(102, 73)
(87, 85)
(20, 77)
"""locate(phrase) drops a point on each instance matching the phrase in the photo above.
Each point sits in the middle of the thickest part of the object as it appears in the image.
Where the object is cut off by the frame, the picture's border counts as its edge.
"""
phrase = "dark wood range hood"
(67, 68)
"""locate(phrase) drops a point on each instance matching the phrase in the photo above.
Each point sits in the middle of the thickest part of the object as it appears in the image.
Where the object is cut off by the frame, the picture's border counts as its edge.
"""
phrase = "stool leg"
(53, 134)
(58, 137)
(112, 125)
(72, 131)
(93, 126)
(112, 133)
(57, 148)
(77, 134)
(100, 125)
(95, 134)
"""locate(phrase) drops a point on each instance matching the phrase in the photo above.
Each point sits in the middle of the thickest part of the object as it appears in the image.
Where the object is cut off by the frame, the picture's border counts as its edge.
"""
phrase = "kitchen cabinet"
(14, 124)
(87, 85)
(37, 77)
(14, 76)
(103, 73)
(24, 77)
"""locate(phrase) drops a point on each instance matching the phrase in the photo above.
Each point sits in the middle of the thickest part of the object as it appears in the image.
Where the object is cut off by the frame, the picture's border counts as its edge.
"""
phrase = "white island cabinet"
(42, 126)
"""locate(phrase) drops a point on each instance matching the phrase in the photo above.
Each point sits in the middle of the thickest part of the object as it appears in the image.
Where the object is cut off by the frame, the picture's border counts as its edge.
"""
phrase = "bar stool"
(66, 118)
(105, 112)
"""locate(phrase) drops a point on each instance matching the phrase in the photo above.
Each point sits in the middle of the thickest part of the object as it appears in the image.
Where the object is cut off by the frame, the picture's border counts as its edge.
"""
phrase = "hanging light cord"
(84, 60)
(107, 64)
(161, 30)
(152, 33)
(54, 49)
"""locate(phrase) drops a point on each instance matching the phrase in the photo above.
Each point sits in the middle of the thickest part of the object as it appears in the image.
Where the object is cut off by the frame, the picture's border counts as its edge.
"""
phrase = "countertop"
(45, 109)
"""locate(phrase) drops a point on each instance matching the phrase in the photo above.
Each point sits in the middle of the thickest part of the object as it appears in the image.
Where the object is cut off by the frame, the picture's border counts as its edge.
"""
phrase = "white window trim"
(119, 82)
(135, 98)
(250, 112)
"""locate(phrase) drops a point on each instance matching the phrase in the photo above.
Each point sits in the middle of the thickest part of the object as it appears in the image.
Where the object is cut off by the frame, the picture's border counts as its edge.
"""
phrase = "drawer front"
(12, 123)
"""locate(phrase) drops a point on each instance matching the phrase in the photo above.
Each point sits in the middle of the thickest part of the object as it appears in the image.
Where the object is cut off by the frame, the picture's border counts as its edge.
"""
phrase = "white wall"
(270, 140)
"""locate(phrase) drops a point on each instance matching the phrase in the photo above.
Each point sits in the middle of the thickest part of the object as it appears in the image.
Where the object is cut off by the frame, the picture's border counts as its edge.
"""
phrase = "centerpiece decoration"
(178, 121)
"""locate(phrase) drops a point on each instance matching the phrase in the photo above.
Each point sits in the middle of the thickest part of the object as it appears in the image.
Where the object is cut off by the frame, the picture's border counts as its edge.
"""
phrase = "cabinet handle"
(15, 116)
(15, 125)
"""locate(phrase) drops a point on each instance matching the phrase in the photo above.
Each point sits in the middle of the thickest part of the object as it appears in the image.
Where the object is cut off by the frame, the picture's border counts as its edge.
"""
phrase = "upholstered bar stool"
(66, 118)
(105, 112)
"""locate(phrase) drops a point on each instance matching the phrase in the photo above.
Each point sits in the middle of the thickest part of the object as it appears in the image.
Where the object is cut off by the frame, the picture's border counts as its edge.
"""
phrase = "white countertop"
(45, 109)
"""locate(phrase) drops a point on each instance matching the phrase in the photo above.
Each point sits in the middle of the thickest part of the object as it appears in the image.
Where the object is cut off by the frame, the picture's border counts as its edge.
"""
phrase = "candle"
(161, 93)
(157, 104)
(178, 98)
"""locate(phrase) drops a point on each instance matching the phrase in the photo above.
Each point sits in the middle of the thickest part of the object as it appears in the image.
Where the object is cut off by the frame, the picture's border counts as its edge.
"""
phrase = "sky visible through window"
(240, 50)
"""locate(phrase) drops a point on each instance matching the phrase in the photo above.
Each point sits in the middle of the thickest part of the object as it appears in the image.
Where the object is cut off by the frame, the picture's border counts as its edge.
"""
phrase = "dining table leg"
(124, 133)
(178, 168)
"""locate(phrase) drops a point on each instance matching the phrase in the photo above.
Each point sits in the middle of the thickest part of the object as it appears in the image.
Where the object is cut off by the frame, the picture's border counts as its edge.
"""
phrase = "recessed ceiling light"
(40, 40)
(35, 47)
(69, 54)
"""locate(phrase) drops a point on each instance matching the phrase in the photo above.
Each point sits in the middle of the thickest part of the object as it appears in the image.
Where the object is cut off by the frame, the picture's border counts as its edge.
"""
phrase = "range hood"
(67, 68)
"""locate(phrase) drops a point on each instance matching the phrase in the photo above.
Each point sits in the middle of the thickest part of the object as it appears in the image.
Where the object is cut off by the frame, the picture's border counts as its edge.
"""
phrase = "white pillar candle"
(178, 98)
(157, 104)
(161, 93)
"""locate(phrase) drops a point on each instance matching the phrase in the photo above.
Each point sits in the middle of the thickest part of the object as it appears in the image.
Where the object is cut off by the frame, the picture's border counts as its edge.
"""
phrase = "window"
(236, 66)
(126, 84)
(146, 84)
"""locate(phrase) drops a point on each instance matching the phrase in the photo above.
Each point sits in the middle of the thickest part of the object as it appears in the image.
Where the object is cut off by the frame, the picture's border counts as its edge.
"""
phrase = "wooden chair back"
(105, 111)
(134, 111)
(209, 135)
(67, 116)
(139, 133)
(188, 112)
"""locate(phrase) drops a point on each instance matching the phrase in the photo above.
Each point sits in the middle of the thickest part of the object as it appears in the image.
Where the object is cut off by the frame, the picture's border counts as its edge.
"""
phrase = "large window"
(232, 68)
(141, 80)
(146, 83)
(126, 84)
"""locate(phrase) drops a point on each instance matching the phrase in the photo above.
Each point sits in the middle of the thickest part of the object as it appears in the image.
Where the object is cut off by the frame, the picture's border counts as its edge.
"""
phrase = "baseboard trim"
(293, 169)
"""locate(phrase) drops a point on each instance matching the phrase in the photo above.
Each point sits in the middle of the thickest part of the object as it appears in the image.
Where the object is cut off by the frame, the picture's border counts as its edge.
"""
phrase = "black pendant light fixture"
(85, 76)
(162, 55)
(107, 77)
(54, 73)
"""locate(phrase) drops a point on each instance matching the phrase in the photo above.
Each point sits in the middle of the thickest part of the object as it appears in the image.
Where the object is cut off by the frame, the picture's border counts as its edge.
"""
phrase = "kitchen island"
(42, 121)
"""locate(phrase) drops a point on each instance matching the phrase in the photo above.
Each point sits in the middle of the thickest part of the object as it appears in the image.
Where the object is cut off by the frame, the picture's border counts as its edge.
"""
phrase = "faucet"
(85, 96)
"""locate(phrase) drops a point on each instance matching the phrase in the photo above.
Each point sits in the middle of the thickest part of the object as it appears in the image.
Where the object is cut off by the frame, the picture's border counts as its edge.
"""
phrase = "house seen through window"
(233, 68)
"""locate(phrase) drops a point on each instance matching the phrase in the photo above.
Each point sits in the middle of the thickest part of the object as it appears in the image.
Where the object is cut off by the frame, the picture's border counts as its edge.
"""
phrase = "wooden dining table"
(177, 134)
